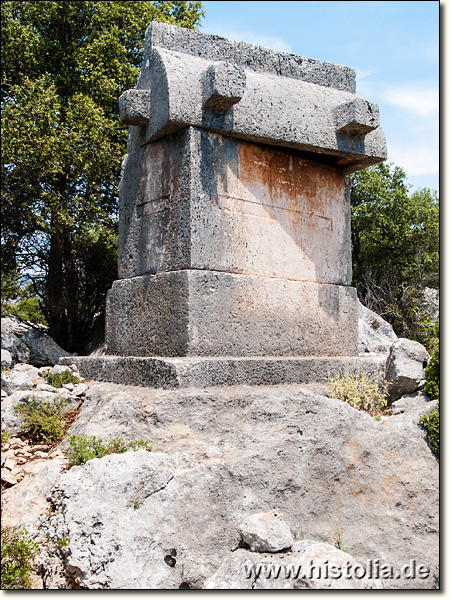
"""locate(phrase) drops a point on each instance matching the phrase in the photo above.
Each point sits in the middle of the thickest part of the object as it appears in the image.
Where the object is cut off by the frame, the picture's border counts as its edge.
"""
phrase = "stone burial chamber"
(234, 227)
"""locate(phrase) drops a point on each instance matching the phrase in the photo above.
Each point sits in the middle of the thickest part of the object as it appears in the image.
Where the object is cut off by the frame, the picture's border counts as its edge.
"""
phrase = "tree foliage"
(395, 246)
(64, 66)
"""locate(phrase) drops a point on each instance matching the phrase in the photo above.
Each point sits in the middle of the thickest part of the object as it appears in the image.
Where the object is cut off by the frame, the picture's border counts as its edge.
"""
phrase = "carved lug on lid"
(134, 107)
(357, 117)
(224, 86)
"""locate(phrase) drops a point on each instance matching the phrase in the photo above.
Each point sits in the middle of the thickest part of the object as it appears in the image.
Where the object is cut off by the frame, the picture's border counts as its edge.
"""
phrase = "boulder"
(26, 503)
(12, 331)
(374, 333)
(6, 359)
(405, 368)
(415, 405)
(430, 304)
(12, 421)
(221, 455)
(19, 378)
(60, 369)
(266, 532)
(29, 343)
(309, 565)
(43, 349)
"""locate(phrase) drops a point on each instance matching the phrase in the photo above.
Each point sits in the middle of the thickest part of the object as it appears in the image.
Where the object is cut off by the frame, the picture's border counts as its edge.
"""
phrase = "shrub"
(359, 391)
(57, 380)
(84, 448)
(18, 553)
(432, 370)
(46, 421)
(5, 437)
(430, 423)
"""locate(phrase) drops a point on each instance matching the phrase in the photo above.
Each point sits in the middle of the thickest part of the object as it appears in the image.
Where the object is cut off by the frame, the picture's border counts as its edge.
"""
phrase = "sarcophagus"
(234, 213)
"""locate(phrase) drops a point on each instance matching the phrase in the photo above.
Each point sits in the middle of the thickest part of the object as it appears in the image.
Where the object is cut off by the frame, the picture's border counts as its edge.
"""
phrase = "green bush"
(18, 553)
(432, 370)
(430, 423)
(46, 421)
(359, 391)
(84, 448)
(57, 380)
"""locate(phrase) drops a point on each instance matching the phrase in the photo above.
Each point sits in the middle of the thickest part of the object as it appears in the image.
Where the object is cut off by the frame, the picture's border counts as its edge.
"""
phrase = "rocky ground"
(245, 487)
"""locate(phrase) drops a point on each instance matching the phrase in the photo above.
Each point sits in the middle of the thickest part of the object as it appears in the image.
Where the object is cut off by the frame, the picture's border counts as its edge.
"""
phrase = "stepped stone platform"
(201, 372)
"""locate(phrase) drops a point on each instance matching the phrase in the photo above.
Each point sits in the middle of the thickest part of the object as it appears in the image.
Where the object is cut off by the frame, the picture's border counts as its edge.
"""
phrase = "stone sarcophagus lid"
(234, 231)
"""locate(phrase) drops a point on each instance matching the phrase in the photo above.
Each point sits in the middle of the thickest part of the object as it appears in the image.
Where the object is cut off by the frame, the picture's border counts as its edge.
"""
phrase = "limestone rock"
(374, 333)
(416, 404)
(305, 567)
(6, 359)
(11, 334)
(29, 344)
(430, 304)
(43, 349)
(59, 369)
(98, 496)
(266, 532)
(405, 368)
(220, 455)
(12, 421)
(15, 379)
(26, 503)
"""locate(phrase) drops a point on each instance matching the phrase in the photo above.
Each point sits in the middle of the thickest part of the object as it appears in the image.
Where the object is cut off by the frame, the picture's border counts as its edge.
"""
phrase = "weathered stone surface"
(252, 57)
(204, 313)
(302, 568)
(405, 368)
(234, 452)
(415, 405)
(26, 503)
(11, 332)
(242, 208)
(6, 359)
(12, 421)
(374, 333)
(223, 86)
(58, 369)
(172, 373)
(266, 532)
(215, 227)
(29, 344)
(43, 349)
(15, 379)
(134, 107)
(296, 109)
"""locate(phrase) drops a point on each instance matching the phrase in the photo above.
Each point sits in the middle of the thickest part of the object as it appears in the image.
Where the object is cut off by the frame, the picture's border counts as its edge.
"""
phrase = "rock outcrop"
(374, 333)
(203, 509)
(29, 343)
(171, 518)
(405, 368)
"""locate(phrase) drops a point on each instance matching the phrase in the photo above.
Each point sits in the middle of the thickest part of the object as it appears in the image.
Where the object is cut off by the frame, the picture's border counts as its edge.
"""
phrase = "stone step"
(201, 372)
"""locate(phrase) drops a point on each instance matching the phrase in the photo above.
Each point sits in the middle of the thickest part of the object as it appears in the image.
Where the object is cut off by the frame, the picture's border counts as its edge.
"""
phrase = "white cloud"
(362, 73)
(421, 101)
(415, 158)
(268, 41)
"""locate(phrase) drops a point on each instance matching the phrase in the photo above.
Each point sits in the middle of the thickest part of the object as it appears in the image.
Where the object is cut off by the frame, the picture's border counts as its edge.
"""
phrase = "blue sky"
(394, 47)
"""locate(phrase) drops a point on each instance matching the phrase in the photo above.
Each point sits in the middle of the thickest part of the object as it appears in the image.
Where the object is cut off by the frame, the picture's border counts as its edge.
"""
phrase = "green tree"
(64, 66)
(395, 246)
